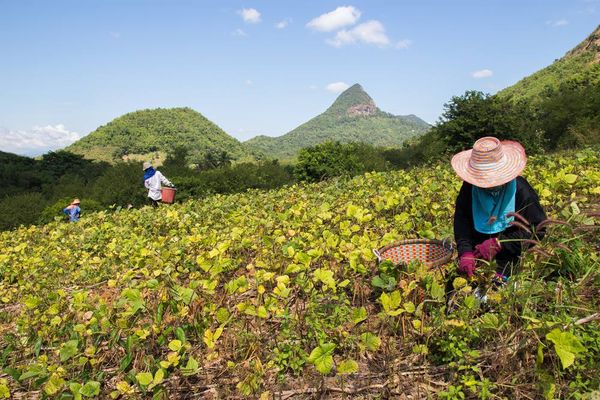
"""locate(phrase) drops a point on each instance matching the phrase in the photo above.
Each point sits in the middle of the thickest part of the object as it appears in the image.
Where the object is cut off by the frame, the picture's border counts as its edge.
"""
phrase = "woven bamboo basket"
(430, 252)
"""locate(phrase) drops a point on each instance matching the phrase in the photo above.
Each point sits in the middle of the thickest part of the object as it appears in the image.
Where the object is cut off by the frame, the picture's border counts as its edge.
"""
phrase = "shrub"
(22, 209)
(331, 159)
(264, 175)
(121, 184)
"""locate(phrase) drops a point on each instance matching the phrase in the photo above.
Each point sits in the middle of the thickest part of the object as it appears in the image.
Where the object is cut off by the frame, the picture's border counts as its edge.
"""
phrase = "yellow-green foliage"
(246, 287)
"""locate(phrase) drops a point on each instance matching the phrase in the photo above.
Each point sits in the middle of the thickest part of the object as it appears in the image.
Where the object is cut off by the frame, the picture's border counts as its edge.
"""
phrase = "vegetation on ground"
(271, 293)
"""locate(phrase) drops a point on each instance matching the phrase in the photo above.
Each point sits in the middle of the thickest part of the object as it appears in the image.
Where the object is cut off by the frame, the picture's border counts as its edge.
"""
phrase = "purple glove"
(488, 249)
(466, 264)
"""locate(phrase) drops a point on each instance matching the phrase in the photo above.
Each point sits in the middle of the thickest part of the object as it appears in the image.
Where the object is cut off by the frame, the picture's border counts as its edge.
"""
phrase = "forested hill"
(579, 67)
(6, 158)
(146, 133)
(353, 117)
(17, 172)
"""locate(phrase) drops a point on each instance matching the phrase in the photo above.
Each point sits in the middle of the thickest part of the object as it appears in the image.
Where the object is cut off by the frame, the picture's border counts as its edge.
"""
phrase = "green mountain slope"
(147, 132)
(353, 117)
(579, 67)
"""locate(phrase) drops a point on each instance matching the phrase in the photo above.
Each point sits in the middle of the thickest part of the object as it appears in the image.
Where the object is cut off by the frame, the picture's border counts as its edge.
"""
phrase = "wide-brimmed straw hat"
(491, 162)
(146, 166)
(76, 201)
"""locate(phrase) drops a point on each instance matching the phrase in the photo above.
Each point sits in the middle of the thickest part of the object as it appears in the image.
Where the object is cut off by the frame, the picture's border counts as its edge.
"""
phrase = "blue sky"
(264, 66)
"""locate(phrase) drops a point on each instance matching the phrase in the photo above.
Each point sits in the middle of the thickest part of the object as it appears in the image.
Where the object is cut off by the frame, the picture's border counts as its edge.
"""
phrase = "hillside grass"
(270, 294)
(581, 68)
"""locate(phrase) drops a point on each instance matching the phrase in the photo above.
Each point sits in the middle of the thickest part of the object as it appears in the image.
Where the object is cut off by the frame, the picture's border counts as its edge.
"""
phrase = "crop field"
(278, 295)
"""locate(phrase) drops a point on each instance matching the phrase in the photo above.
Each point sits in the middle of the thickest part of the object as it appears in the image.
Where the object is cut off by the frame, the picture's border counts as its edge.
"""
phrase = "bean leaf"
(322, 357)
(566, 346)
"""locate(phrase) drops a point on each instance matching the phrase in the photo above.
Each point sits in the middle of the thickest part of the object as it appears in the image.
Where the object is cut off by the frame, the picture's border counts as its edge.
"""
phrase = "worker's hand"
(466, 264)
(488, 249)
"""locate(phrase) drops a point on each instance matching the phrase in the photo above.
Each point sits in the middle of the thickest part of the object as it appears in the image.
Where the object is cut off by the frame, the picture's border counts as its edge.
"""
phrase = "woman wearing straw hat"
(73, 211)
(492, 193)
(152, 182)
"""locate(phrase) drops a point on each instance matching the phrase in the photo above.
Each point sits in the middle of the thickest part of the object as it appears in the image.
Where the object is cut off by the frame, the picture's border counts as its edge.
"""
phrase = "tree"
(569, 116)
(214, 159)
(57, 163)
(176, 162)
(475, 115)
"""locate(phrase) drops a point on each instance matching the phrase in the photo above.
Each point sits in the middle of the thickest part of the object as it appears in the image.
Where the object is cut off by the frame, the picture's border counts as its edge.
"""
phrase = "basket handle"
(447, 243)
(377, 255)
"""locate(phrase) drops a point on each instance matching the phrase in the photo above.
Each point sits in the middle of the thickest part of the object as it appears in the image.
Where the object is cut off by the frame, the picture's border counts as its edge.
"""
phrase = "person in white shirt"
(152, 182)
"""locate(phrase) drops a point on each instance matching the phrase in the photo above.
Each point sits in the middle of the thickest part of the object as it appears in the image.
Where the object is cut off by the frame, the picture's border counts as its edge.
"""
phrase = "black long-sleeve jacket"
(527, 204)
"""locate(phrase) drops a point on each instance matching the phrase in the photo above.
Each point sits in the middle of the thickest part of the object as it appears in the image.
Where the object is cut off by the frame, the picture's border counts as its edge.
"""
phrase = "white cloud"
(37, 140)
(371, 32)
(557, 23)
(248, 82)
(337, 87)
(283, 23)
(482, 73)
(341, 38)
(239, 32)
(250, 15)
(312, 87)
(404, 44)
(338, 18)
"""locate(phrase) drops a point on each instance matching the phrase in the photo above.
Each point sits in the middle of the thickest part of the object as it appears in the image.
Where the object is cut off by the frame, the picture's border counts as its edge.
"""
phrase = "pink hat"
(490, 163)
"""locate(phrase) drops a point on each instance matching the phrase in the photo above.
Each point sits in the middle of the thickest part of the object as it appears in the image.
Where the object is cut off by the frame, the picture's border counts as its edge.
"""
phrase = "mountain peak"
(353, 117)
(353, 102)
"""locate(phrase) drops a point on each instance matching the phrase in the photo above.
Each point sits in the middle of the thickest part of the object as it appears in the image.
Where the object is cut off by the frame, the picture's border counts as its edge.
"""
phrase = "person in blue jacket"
(73, 211)
(152, 181)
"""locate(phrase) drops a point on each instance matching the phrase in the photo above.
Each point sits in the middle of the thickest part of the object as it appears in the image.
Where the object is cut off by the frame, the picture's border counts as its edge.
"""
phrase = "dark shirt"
(527, 204)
